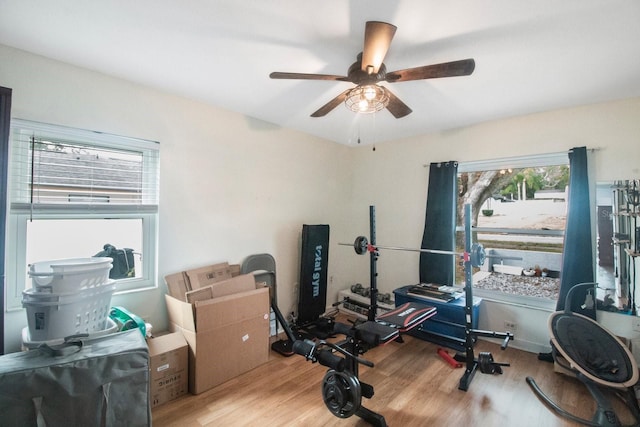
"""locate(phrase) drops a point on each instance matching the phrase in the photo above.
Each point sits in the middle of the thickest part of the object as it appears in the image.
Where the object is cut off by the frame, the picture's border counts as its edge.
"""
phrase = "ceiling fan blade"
(463, 67)
(326, 108)
(303, 76)
(377, 39)
(396, 107)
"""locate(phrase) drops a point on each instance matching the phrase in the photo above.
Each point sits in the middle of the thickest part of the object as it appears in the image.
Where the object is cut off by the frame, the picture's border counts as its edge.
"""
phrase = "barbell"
(476, 256)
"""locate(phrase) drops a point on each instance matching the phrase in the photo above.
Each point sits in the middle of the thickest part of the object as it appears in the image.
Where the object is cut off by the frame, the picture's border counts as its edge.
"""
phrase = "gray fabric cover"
(97, 382)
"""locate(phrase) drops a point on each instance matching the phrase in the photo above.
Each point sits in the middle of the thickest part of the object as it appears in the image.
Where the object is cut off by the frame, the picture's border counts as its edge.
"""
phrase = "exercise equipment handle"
(370, 338)
(304, 348)
(508, 336)
(330, 360)
(343, 329)
(500, 364)
(339, 349)
(325, 357)
(505, 343)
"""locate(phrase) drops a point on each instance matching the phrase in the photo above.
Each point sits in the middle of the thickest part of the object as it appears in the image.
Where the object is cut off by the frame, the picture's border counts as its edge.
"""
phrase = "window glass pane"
(73, 173)
(54, 165)
(73, 191)
(529, 198)
(518, 213)
(50, 239)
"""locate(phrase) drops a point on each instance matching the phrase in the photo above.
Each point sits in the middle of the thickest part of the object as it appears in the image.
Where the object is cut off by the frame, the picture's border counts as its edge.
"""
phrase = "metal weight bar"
(477, 255)
(361, 246)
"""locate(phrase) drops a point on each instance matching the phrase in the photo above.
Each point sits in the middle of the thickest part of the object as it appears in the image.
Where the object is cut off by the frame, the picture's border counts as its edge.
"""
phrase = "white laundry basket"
(70, 275)
(52, 316)
(111, 327)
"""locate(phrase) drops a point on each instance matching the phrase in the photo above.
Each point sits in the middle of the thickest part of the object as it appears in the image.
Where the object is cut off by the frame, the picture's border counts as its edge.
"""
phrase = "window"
(74, 191)
(519, 208)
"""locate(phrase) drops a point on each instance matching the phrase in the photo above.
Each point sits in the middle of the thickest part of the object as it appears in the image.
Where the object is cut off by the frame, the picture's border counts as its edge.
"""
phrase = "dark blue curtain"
(577, 258)
(440, 224)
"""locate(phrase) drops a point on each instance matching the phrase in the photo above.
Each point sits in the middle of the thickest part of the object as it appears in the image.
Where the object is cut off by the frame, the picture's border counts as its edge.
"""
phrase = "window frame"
(549, 159)
(19, 213)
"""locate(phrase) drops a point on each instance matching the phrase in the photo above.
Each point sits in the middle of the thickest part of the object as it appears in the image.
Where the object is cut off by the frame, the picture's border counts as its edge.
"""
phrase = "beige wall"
(230, 185)
(394, 176)
(398, 186)
(233, 186)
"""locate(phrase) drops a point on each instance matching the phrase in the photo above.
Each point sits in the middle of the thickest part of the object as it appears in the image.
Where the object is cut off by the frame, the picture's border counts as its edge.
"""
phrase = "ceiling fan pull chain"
(375, 136)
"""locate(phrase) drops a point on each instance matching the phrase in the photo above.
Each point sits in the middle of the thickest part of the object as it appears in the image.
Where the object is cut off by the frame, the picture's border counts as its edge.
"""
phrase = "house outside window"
(71, 192)
(519, 216)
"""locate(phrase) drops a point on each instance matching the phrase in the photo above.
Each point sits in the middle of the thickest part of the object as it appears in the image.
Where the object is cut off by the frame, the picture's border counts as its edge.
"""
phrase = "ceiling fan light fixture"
(367, 98)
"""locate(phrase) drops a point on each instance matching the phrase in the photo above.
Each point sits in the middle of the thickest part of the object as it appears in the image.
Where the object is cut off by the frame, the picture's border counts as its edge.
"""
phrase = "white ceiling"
(531, 55)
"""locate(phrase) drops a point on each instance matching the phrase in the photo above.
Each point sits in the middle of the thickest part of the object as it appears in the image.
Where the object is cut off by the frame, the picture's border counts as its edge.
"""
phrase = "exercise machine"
(342, 390)
(473, 256)
(310, 320)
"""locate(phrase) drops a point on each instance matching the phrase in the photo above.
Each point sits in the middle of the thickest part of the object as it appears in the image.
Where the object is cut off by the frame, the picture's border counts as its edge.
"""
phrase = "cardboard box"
(204, 276)
(227, 335)
(168, 365)
(235, 270)
(245, 282)
(177, 284)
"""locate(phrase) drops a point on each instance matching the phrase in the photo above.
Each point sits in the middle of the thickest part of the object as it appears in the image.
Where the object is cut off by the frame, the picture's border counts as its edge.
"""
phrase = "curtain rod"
(515, 159)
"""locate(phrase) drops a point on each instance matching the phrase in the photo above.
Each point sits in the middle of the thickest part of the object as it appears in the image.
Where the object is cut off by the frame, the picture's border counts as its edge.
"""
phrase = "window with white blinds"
(73, 191)
(54, 167)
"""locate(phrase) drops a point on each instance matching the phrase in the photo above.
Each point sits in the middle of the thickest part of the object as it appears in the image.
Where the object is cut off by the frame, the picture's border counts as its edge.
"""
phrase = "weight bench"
(388, 326)
(342, 391)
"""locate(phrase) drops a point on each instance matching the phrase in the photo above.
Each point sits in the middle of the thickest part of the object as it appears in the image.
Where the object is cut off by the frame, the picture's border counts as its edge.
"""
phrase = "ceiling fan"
(369, 70)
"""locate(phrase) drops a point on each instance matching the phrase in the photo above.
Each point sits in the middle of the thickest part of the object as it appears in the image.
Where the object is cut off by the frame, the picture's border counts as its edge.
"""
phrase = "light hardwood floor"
(413, 385)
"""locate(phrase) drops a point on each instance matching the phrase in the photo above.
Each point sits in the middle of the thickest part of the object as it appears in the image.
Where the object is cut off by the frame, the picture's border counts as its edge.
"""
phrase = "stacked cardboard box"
(224, 317)
(168, 364)
(178, 284)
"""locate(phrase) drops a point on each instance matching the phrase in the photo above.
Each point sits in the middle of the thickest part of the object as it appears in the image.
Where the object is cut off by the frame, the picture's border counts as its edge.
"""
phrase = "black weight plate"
(360, 245)
(341, 393)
